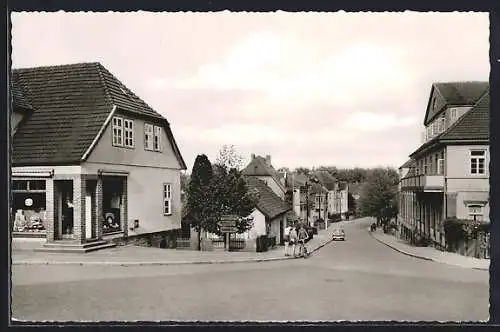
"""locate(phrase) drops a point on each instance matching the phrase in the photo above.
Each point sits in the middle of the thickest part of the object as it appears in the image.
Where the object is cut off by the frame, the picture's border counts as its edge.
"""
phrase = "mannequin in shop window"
(111, 218)
(67, 222)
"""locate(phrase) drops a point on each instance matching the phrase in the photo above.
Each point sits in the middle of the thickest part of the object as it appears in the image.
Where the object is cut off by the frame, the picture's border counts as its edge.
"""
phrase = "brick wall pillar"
(98, 209)
(124, 206)
(79, 191)
(50, 203)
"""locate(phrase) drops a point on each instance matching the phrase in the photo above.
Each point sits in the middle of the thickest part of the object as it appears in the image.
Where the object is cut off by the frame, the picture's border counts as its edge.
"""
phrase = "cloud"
(309, 88)
(366, 121)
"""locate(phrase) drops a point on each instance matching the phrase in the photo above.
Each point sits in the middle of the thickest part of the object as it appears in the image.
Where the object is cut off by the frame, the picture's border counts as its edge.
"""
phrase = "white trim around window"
(476, 212)
(122, 132)
(477, 162)
(157, 139)
(117, 131)
(440, 166)
(167, 199)
(148, 136)
(128, 133)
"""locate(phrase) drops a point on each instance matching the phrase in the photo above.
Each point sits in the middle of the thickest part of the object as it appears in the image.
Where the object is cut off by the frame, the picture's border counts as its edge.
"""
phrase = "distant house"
(270, 216)
(262, 169)
(448, 175)
(91, 162)
(272, 207)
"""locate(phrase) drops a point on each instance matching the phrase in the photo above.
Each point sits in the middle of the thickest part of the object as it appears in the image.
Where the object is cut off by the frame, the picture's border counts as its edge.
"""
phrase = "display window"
(29, 206)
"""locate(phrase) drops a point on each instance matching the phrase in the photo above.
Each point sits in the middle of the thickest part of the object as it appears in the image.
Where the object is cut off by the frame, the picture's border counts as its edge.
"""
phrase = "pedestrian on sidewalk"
(293, 239)
(286, 238)
(302, 237)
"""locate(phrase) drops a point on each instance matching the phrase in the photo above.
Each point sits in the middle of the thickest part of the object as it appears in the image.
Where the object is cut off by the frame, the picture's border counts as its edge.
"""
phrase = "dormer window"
(123, 132)
(152, 137)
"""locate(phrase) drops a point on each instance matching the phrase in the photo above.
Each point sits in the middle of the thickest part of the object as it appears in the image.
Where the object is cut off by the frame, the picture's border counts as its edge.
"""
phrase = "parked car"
(338, 235)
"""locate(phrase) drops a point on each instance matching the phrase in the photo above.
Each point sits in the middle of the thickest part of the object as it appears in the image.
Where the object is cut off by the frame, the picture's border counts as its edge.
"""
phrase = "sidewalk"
(135, 255)
(430, 253)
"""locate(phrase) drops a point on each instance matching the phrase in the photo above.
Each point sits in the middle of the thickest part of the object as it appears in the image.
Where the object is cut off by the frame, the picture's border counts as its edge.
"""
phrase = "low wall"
(164, 239)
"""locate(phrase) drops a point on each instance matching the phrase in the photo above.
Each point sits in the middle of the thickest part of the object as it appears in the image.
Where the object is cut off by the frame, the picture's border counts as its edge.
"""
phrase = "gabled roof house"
(92, 162)
(448, 175)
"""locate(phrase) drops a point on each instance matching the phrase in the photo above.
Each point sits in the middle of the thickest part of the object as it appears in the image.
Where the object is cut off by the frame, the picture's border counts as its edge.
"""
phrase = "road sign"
(228, 220)
(228, 229)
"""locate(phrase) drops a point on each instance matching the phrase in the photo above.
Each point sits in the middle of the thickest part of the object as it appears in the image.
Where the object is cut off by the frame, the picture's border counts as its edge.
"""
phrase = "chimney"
(253, 156)
(268, 160)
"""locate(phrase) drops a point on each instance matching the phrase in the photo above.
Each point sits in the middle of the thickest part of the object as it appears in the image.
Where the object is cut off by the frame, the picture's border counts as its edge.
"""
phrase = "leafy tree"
(199, 207)
(351, 203)
(230, 195)
(379, 195)
(229, 157)
(303, 170)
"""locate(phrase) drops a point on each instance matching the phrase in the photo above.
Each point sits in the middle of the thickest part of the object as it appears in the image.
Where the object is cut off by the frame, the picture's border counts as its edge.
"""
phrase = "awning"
(103, 172)
(33, 173)
(476, 197)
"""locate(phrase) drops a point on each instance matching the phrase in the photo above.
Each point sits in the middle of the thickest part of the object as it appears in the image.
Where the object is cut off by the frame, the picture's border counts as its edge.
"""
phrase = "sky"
(308, 89)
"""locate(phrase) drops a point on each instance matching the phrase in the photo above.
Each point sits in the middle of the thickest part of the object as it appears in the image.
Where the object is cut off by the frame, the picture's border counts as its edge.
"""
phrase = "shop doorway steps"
(68, 246)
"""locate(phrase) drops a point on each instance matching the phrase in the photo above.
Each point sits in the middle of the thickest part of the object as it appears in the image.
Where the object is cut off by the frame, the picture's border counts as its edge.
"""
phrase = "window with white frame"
(440, 166)
(477, 161)
(148, 136)
(117, 127)
(157, 138)
(128, 131)
(475, 212)
(123, 132)
(453, 114)
(167, 199)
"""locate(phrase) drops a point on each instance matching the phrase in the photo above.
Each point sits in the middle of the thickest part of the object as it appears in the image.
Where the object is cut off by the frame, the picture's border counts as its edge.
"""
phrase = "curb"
(422, 257)
(160, 263)
(401, 251)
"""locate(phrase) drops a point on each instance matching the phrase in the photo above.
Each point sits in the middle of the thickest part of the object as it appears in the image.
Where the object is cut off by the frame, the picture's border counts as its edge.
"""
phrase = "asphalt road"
(359, 279)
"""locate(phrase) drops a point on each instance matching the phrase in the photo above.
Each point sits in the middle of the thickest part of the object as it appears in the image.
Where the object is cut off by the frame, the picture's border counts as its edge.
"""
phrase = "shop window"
(29, 206)
(112, 206)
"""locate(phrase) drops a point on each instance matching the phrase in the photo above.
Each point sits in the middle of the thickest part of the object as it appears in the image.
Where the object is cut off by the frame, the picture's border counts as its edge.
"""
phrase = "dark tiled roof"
(18, 98)
(472, 125)
(297, 180)
(326, 179)
(408, 163)
(462, 93)
(317, 188)
(259, 167)
(269, 203)
(71, 104)
(458, 93)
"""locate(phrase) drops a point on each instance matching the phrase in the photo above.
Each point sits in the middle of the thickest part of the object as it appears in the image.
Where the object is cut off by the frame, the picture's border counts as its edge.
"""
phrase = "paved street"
(359, 279)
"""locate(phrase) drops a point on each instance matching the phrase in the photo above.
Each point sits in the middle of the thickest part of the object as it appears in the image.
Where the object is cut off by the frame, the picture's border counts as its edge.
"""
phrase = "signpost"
(227, 225)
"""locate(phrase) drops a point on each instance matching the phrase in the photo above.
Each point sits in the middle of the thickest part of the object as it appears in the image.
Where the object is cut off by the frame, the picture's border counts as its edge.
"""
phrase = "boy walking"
(286, 238)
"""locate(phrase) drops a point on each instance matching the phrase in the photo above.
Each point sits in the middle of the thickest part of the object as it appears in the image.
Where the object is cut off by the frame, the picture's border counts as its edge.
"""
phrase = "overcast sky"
(308, 89)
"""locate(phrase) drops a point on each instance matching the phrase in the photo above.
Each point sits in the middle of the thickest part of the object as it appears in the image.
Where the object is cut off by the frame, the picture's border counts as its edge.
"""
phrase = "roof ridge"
(459, 82)
(103, 82)
(461, 119)
(57, 66)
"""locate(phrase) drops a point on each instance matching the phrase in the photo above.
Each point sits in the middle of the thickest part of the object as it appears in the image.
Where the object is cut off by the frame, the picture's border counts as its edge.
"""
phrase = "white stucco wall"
(145, 196)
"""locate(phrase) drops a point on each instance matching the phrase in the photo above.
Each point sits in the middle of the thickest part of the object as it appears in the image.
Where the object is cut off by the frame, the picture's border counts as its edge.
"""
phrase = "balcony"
(426, 183)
